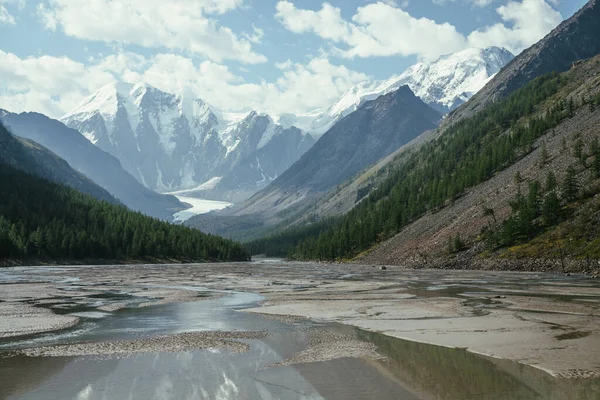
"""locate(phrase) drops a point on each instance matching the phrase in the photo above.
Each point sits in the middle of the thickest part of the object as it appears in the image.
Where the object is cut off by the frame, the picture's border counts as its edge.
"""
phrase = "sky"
(273, 56)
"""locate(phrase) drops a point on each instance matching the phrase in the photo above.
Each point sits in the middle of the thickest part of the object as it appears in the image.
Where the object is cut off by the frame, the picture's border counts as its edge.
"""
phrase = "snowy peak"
(171, 142)
(443, 83)
(105, 101)
(450, 80)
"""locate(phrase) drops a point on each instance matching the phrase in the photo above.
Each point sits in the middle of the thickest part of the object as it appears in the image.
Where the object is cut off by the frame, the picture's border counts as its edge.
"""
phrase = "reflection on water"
(446, 373)
(214, 374)
(217, 314)
(209, 374)
(412, 370)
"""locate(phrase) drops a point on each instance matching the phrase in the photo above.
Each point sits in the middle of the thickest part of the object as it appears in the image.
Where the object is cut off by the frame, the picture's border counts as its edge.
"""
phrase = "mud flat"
(548, 322)
(19, 319)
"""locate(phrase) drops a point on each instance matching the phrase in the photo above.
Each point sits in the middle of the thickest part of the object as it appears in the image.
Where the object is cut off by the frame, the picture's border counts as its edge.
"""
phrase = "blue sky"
(271, 55)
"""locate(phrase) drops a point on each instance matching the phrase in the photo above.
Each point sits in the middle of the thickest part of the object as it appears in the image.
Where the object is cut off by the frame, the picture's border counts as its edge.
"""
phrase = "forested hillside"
(99, 166)
(468, 153)
(30, 157)
(44, 222)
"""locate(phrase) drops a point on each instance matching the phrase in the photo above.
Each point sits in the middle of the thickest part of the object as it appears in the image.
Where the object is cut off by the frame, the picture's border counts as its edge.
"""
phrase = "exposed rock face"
(255, 170)
(30, 157)
(362, 138)
(171, 143)
(575, 39)
(104, 169)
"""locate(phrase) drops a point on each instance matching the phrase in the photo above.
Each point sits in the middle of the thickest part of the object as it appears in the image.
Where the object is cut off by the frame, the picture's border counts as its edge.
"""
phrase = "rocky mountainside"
(444, 83)
(424, 242)
(375, 130)
(104, 169)
(253, 170)
(34, 159)
(516, 186)
(577, 38)
(171, 143)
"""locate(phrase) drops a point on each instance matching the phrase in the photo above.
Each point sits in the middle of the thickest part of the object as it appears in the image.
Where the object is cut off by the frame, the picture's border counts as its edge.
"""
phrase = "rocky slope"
(375, 130)
(34, 159)
(104, 169)
(443, 83)
(172, 143)
(424, 243)
(575, 39)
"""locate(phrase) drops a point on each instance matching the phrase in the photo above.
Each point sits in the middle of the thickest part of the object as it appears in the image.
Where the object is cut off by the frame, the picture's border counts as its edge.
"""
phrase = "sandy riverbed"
(550, 322)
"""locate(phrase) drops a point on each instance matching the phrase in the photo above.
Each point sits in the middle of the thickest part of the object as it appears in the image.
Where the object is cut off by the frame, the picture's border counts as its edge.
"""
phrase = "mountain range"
(171, 143)
(367, 123)
(443, 83)
(511, 180)
(576, 38)
(376, 129)
(99, 166)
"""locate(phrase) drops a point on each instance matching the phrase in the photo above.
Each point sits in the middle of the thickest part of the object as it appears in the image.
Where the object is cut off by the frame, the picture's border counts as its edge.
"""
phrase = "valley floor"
(547, 321)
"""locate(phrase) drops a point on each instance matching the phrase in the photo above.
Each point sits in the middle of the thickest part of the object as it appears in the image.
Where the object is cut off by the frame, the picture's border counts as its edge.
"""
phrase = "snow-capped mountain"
(444, 83)
(172, 143)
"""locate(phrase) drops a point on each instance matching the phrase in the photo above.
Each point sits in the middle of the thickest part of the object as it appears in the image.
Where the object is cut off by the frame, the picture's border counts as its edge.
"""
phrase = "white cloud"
(381, 29)
(476, 3)
(6, 17)
(175, 24)
(46, 84)
(256, 36)
(284, 65)
(525, 23)
(376, 30)
(54, 85)
(300, 88)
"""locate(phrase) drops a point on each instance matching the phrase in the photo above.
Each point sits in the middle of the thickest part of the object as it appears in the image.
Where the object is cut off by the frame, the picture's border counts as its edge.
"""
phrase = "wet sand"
(549, 322)
(158, 344)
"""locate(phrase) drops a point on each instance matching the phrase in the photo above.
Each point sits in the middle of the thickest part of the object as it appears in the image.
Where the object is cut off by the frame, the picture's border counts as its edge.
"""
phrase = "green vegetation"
(40, 220)
(576, 234)
(544, 222)
(470, 152)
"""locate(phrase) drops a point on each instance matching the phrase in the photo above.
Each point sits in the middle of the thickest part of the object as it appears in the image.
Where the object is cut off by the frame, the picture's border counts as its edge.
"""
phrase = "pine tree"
(550, 182)
(458, 243)
(578, 152)
(596, 165)
(543, 156)
(570, 187)
(551, 209)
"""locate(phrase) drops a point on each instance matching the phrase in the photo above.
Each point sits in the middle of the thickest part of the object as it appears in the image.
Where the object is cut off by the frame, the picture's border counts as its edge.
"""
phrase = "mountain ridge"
(575, 39)
(30, 157)
(190, 142)
(101, 167)
(380, 127)
(443, 83)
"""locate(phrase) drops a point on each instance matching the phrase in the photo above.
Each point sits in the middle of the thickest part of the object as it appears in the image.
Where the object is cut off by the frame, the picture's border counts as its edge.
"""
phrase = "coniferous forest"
(43, 221)
(468, 153)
